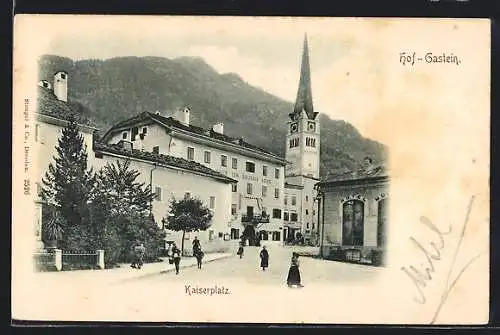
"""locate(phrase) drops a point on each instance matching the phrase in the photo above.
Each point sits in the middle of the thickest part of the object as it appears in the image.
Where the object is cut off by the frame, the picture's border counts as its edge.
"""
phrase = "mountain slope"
(117, 88)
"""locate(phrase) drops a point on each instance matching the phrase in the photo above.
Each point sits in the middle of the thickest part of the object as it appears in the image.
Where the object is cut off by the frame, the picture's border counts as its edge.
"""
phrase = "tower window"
(124, 135)
(294, 142)
(156, 150)
(310, 142)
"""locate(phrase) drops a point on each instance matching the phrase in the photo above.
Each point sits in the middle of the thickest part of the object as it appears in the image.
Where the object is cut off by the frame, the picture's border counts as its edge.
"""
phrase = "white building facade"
(259, 174)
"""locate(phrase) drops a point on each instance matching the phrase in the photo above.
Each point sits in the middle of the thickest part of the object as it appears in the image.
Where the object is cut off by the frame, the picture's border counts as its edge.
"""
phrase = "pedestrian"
(139, 251)
(196, 245)
(264, 258)
(293, 278)
(199, 257)
(176, 256)
(240, 250)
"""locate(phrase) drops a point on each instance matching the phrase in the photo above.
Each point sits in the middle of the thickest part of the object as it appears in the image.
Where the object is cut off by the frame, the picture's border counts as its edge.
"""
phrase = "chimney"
(219, 128)
(61, 85)
(183, 115)
(44, 83)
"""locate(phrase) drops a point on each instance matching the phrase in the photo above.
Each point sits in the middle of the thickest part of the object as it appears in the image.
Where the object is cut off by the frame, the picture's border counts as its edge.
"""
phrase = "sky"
(352, 60)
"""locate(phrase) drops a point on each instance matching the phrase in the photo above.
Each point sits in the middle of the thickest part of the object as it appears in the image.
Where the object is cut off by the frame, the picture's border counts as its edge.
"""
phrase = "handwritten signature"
(421, 277)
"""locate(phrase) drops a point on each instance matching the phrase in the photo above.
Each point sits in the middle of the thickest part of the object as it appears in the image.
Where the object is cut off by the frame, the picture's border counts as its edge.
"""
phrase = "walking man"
(264, 258)
(139, 251)
(199, 257)
(196, 245)
(176, 255)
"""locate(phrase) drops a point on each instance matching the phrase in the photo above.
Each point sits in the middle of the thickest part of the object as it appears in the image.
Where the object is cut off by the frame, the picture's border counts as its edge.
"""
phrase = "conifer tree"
(68, 185)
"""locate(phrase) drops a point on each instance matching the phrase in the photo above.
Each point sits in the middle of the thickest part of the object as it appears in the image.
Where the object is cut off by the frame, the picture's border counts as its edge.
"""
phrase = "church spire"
(304, 99)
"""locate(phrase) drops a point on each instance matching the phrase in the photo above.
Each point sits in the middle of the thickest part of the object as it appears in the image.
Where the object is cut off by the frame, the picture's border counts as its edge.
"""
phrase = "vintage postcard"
(251, 169)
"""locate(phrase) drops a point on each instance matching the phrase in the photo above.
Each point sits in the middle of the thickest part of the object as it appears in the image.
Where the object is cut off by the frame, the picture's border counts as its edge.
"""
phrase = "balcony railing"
(264, 218)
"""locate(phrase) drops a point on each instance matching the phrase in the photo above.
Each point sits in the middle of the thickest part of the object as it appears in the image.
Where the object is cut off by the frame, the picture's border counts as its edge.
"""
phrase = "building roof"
(374, 172)
(173, 124)
(293, 186)
(49, 105)
(304, 100)
(175, 162)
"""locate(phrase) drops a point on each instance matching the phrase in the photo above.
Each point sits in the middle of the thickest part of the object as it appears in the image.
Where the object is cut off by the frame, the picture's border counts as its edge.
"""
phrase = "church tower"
(303, 135)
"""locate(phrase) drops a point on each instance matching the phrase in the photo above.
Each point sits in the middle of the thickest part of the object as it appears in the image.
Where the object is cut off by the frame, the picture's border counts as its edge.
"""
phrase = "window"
(212, 202)
(124, 135)
(313, 225)
(37, 129)
(276, 213)
(310, 142)
(187, 195)
(250, 211)
(276, 173)
(352, 223)
(307, 225)
(294, 142)
(264, 191)
(294, 200)
(234, 163)
(286, 216)
(223, 160)
(190, 153)
(135, 131)
(234, 187)
(145, 130)
(156, 150)
(206, 157)
(276, 236)
(265, 235)
(63, 76)
(264, 170)
(314, 212)
(277, 193)
(293, 217)
(158, 193)
(220, 234)
(210, 235)
(307, 212)
(235, 234)
(233, 209)
(250, 167)
(307, 198)
(249, 188)
(286, 200)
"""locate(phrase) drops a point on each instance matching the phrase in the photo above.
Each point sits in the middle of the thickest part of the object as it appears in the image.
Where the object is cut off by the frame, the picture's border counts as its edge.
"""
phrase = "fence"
(45, 260)
(57, 260)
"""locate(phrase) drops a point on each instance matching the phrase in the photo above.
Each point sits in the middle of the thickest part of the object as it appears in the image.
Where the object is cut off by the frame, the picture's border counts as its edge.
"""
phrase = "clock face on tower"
(311, 126)
(293, 128)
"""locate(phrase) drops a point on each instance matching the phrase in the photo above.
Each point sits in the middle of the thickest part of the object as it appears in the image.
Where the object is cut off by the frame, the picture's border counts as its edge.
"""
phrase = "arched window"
(353, 215)
(381, 222)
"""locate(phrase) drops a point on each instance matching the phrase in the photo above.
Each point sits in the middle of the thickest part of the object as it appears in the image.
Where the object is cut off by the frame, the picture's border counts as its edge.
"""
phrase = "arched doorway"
(353, 217)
